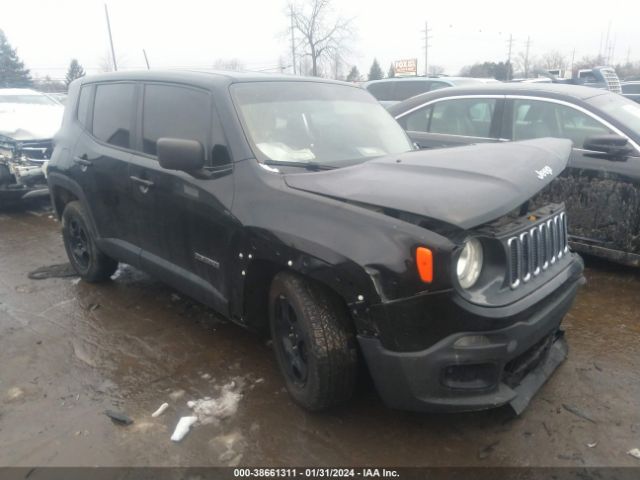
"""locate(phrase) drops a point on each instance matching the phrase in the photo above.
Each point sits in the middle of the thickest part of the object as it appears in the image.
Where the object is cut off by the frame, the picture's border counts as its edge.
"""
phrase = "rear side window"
(408, 89)
(468, 117)
(83, 105)
(113, 113)
(175, 112)
(402, 89)
(537, 119)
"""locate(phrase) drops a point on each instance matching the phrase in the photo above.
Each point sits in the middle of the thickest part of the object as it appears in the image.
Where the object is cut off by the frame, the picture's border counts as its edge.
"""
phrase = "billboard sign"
(406, 68)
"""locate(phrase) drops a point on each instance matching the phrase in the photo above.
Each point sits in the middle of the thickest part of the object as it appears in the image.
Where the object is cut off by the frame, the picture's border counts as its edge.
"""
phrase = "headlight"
(470, 263)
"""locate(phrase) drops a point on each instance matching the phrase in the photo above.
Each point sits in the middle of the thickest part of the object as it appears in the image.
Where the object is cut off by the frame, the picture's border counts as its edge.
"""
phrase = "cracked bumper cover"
(517, 360)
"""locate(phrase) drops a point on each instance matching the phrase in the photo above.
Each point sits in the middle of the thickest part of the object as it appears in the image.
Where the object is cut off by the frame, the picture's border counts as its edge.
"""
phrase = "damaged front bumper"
(477, 369)
(23, 169)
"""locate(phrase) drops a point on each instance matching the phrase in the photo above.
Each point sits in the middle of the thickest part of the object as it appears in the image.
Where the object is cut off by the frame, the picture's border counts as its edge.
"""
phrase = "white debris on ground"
(122, 267)
(592, 445)
(212, 410)
(205, 376)
(635, 452)
(177, 395)
(160, 410)
(76, 281)
(208, 410)
(182, 428)
(175, 297)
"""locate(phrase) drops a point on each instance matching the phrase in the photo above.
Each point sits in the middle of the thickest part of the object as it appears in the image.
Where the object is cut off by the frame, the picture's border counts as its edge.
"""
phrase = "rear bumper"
(476, 370)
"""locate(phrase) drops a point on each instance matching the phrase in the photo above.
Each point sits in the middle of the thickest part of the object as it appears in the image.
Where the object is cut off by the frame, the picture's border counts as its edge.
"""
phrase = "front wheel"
(91, 264)
(313, 342)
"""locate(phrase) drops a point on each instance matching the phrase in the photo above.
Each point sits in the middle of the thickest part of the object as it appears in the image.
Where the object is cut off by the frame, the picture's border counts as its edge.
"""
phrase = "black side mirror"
(609, 146)
(180, 154)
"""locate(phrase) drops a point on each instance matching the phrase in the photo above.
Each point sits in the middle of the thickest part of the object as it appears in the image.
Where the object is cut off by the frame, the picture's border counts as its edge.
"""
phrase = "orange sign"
(406, 68)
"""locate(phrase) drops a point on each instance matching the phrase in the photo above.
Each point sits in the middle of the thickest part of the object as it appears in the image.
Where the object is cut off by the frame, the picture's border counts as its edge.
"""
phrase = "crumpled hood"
(30, 122)
(463, 186)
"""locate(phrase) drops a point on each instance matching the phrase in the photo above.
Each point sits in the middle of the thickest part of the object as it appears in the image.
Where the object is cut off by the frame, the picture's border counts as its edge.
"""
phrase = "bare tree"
(522, 64)
(106, 62)
(323, 34)
(553, 59)
(231, 64)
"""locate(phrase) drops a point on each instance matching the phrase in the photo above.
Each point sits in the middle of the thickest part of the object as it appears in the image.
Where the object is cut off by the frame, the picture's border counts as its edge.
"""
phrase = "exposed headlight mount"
(469, 263)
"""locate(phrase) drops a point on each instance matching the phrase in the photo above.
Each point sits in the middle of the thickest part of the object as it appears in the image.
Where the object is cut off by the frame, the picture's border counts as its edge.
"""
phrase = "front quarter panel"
(365, 256)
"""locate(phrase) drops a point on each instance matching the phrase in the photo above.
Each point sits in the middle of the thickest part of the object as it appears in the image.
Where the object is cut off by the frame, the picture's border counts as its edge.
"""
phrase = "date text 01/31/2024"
(314, 473)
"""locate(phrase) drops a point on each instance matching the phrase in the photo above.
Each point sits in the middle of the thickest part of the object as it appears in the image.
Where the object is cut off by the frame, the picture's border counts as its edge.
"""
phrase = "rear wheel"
(85, 257)
(313, 342)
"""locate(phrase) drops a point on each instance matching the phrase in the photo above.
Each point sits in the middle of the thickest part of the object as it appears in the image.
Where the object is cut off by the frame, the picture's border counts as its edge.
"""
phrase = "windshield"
(622, 109)
(28, 99)
(317, 123)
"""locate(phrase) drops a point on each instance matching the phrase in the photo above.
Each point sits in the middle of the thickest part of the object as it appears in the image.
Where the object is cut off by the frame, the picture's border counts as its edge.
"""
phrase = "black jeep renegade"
(300, 207)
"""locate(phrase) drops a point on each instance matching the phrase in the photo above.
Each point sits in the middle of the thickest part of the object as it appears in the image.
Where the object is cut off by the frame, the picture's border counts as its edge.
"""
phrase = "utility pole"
(113, 52)
(605, 60)
(509, 57)
(293, 41)
(426, 49)
(526, 58)
(146, 60)
(612, 50)
(573, 57)
(629, 55)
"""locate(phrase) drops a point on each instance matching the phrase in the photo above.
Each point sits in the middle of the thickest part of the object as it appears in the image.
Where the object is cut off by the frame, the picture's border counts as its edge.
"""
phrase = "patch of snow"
(212, 410)
(177, 395)
(182, 428)
(119, 271)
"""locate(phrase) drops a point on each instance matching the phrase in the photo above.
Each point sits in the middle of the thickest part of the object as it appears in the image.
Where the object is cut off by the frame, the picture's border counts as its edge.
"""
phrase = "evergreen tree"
(74, 71)
(12, 71)
(392, 71)
(354, 75)
(375, 72)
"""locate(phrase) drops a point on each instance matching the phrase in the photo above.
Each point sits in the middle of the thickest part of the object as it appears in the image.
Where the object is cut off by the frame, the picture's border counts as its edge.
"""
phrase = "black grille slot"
(532, 252)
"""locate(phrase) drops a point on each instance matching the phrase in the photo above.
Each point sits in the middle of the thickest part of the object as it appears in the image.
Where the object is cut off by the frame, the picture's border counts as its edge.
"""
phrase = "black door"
(101, 157)
(184, 223)
(601, 193)
(454, 122)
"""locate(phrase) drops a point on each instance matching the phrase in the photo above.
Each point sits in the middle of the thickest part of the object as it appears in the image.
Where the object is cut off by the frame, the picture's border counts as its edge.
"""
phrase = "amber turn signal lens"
(424, 261)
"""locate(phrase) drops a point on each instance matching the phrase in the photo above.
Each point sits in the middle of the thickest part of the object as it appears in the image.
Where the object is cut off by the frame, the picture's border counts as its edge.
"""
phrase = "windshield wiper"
(308, 165)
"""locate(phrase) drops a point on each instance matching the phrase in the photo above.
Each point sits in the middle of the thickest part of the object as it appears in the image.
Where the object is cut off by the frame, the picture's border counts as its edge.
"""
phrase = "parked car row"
(601, 185)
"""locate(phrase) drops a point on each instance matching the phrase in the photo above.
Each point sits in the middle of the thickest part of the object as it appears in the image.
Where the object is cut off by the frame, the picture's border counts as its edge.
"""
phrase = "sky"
(194, 34)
